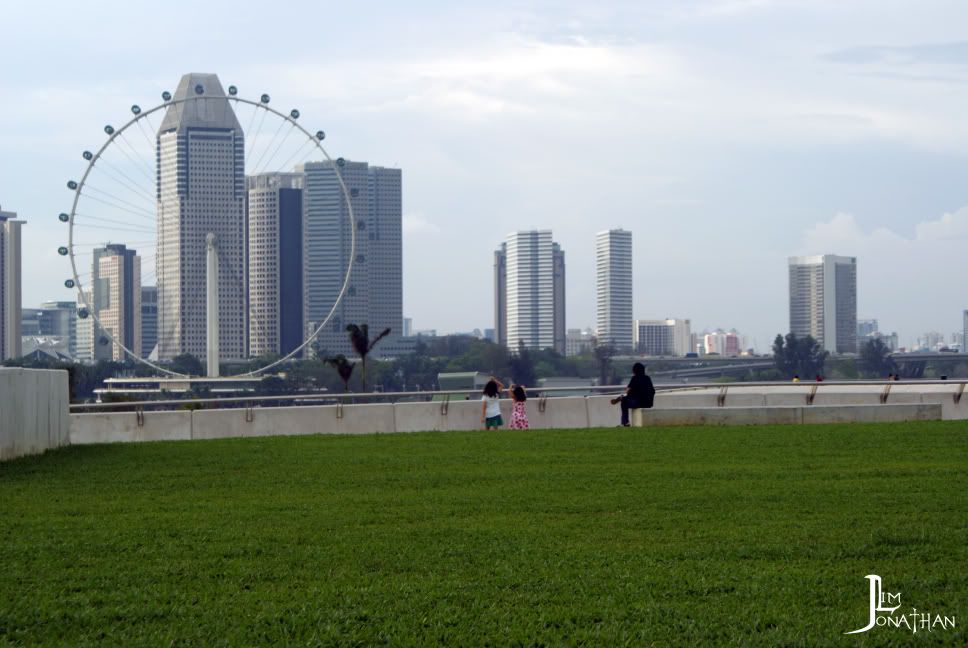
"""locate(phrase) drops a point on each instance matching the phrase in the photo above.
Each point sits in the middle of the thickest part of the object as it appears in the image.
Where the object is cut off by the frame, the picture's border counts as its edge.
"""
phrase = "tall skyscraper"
(201, 190)
(10, 295)
(501, 294)
(613, 265)
(384, 237)
(117, 301)
(964, 331)
(274, 215)
(558, 283)
(534, 287)
(149, 320)
(374, 294)
(823, 300)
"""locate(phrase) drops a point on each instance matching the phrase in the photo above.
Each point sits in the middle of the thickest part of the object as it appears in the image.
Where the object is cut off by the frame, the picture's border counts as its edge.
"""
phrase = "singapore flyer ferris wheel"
(184, 207)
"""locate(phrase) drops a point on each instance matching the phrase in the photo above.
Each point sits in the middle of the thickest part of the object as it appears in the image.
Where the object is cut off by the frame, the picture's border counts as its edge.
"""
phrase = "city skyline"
(834, 133)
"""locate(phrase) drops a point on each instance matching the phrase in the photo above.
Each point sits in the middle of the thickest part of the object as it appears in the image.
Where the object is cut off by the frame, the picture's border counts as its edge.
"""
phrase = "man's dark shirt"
(641, 389)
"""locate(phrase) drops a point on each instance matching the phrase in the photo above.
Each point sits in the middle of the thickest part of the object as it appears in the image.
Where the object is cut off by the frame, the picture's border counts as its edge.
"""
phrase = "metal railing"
(455, 395)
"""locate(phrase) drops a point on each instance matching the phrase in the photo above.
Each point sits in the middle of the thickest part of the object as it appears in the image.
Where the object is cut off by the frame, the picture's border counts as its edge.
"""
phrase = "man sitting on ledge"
(640, 393)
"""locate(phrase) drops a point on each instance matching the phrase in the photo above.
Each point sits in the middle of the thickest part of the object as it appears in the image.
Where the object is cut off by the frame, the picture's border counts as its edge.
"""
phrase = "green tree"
(343, 367)
(360, 339)
(876, 360)
(795, 356)
(187, 364)
(603, 357)
(521, 366)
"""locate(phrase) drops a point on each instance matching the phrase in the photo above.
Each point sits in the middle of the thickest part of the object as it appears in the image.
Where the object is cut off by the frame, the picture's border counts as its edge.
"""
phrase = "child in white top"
(491, 405)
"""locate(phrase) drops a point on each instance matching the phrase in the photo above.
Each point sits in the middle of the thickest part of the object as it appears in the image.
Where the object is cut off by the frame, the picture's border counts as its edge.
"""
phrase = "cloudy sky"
(726, 135)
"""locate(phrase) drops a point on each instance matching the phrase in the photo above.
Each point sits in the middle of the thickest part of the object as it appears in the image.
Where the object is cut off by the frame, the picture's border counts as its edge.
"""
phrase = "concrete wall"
(110, 427)
(34, 414)
(787, 415)
(783, 404)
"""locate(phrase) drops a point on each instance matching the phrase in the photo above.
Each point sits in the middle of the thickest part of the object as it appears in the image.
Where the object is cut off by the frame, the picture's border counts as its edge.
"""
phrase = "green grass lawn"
(677, 536)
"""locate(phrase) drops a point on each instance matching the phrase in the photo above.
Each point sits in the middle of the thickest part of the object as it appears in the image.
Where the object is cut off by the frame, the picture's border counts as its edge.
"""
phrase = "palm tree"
(343, 367)
(360, 339)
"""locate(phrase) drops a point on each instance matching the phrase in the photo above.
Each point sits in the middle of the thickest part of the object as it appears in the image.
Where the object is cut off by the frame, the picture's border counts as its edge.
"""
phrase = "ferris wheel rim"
(263, 104)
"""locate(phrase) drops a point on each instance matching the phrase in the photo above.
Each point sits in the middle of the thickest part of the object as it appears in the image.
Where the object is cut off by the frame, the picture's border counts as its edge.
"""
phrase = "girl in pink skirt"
(519, 415)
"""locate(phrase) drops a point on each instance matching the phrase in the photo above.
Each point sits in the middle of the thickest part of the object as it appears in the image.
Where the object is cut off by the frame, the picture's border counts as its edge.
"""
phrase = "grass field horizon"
(673, 536)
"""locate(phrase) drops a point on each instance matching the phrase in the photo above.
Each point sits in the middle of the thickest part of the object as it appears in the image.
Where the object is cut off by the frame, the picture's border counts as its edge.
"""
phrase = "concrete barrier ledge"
(573, 412)
(787, 415)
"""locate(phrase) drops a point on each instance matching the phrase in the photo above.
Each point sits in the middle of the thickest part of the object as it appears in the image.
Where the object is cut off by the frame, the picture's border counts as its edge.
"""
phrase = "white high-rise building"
(201, 190)
(374, 294)
(534, 291)
(274, 221)
(613, 267)
(823, 300)
(10, 290)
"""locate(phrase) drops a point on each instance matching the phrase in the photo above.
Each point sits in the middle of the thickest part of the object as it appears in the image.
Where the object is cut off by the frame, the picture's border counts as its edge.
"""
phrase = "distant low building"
(472, 381)
(579, 341)
(866, 327)
(59, 319)
(889, 340)
(930, 341)
(723, 343)
(39, 346)
(566, 382)
(667, 337)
